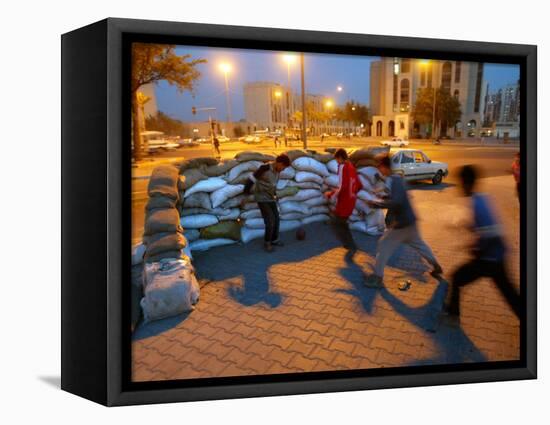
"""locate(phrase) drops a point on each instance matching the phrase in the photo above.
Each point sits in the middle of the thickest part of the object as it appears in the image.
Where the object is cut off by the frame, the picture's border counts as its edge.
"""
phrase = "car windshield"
(407, 158)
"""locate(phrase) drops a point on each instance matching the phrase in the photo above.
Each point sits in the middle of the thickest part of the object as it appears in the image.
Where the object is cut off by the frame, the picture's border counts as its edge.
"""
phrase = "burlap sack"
(164, 182)
(254, 156)
(197, 163)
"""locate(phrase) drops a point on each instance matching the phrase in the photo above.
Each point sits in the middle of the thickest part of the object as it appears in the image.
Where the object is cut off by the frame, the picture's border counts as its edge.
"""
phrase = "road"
(494, 160)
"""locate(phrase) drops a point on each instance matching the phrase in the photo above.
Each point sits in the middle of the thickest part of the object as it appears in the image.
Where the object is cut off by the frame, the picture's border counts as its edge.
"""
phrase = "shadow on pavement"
(146, 330)
(428, 186)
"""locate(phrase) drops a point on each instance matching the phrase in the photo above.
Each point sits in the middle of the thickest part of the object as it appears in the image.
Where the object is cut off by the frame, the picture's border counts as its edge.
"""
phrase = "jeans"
(393, 238)
(270, 214)
(475, 269)
(341, 229)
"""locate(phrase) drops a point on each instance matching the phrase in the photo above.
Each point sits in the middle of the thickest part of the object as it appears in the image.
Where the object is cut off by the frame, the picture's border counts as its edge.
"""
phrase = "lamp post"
(304, 120)
(289, 59)
(226, 69)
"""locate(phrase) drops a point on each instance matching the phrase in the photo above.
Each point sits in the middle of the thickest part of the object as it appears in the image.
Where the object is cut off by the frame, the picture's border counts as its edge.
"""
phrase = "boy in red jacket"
(346, 196)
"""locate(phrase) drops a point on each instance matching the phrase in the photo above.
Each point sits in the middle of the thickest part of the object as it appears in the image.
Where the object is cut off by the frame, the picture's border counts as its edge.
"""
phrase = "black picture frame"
(96, 211)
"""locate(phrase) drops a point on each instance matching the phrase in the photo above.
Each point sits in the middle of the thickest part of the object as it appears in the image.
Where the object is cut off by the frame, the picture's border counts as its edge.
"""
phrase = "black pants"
(475, 269)
(270, 214)
(342, 232)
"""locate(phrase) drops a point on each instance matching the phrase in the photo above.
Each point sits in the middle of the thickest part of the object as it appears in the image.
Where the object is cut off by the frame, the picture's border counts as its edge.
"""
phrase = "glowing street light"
(329, 103)
(278, 94)
(339, 88)
(226, 69)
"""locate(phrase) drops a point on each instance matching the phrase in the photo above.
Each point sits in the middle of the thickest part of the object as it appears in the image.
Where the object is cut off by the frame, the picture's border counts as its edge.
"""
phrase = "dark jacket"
(264, 181)
(400, 212)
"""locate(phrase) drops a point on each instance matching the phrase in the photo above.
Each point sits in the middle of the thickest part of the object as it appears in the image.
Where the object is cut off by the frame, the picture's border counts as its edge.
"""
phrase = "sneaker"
(374, 281)
(278, 242)
(268, 247)
(437, 272)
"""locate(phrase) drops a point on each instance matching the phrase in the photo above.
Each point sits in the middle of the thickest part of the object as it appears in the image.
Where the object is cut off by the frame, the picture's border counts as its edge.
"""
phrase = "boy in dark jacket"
(401, 226)
(264, 180)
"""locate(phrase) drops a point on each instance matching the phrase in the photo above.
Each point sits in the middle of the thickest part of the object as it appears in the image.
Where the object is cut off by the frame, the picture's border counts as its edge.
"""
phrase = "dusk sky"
(323, 74)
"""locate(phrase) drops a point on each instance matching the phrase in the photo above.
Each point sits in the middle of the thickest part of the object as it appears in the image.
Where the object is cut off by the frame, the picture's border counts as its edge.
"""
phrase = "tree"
(238, 131)
(168, 125)
(152, 63)
(447, 108)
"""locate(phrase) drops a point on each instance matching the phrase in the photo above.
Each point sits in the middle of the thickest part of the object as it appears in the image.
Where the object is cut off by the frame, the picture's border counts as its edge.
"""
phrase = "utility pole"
(304, 120)
(433, 114)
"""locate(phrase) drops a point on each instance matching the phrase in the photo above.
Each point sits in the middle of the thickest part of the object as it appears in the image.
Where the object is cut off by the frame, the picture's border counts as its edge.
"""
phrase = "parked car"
(252, 139)
(395, 141)
(223, 139)
(415, 165)
(188, 143)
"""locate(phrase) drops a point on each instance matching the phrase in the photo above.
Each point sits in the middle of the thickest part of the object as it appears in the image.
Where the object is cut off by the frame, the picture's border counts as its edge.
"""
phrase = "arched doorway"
(391, 129)
(379, 128)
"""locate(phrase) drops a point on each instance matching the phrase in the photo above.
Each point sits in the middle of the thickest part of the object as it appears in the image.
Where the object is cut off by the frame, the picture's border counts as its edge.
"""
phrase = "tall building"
(268, 105)
(503, 106)
(394, 83)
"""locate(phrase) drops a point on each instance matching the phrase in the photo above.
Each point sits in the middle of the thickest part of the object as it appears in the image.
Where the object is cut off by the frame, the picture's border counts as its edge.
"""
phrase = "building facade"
(394, 84)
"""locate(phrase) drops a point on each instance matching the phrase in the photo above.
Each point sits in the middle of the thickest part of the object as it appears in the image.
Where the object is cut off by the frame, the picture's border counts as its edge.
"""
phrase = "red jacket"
(346, 194)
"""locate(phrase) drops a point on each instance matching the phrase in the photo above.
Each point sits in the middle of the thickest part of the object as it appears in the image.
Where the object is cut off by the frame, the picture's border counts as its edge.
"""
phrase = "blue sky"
(323, 74)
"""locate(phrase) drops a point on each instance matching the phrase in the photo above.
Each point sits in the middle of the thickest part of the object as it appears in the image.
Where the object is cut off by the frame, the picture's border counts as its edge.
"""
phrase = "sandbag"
(375, 222)
(315, 202)
(255, 223)
(293, 216)
(370, 173)
(333, 180)
(219, 169)
(248, 234)
(232, 215)
(364, 153)
(190, 178)
(282, 183)
(198, 221)
(242, 178)
(198, 200)
(162, 221)
(164, 242)
(288, 191)
(366, 162)
(332, 166)
(138, 251)
(319, 209)
(166, 255)
(302, 195)
(241, 168)
(255, 213)
(305, 163)
(254, 156)
(323, 157)
(362, 206)
(206, 244)
(293, 206)
(160, 202)
(304, 185)
(192, 234)
(233, 202)
(197, 163)
(170, 288)
(288, 173)
(219, 196)
(194, 211)
(209, 185)
(297, 153)
(163, 182)
(307, 176)
(315, 218)
(224, 230)
(367, 196)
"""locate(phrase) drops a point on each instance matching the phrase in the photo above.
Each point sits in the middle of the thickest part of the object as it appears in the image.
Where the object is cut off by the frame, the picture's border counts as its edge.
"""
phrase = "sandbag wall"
(211, 193)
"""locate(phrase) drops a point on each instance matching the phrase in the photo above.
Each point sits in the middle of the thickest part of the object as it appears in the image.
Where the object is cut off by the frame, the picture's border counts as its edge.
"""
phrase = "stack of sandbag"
(211, 193)
(364, 218)
(169, 283)
(300, 193)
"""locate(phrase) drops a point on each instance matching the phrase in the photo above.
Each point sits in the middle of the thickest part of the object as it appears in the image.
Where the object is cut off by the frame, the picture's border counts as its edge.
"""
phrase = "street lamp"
(226, 69)
(426, 63)
(289, 59)
(339, 88)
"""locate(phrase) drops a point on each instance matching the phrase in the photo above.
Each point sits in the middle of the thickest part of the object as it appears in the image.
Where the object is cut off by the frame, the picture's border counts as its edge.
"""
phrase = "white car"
(395, 141)
(415, 165)
(223, 139)
(252, 139)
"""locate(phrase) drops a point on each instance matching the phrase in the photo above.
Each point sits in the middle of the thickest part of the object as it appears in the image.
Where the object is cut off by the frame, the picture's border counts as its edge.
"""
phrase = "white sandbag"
(191, 234)
(138, 251)
(360, 226)
(375, 222)
(198, 221)
(305, 163)
(233, 202)
(250, 205)
(241, 168)
(219, 196)
(371, 173)
(367, 196)
(355, 217)
(362, 206)
(294, 206)
(307, 176)
(198, 200)
(315, 218)
(255, 213)
(170, 288)
(206, 244)
(305, 185)
(302, 195)
(288, 225)
(255, 223)
(332, 166)
(332, 180)
(288, 173)
(248, 234)
(232, 215)
(319, 209)
(315, 202)
(194, 211)
(209, 185)
(293, 216)
(282, 183)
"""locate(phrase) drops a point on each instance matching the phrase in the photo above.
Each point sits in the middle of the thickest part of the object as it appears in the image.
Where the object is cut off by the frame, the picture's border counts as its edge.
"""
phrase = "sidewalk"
(304, 308)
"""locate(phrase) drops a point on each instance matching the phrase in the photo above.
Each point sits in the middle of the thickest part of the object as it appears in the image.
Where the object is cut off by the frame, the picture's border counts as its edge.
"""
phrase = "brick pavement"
(305, 308)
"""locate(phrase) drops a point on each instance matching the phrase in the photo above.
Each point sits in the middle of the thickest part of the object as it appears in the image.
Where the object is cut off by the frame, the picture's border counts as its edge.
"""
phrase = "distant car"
(324, 135)
(252, 139)
(223, 139)
(203, 140)
(414, 165)
(188, 143)
(395, 141)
